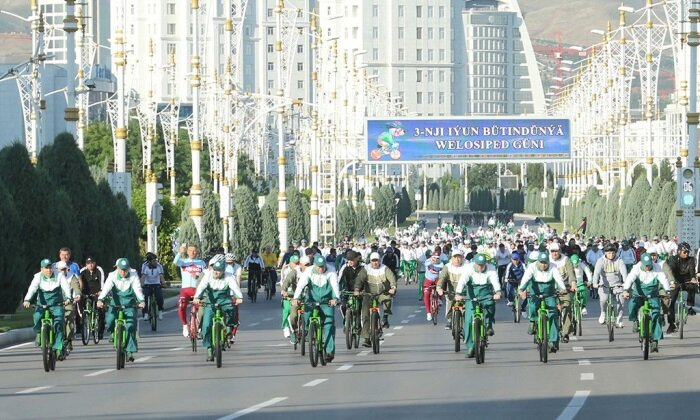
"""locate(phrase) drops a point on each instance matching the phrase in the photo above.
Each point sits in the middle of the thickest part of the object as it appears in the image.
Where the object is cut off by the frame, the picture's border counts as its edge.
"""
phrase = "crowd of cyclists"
(461, 263)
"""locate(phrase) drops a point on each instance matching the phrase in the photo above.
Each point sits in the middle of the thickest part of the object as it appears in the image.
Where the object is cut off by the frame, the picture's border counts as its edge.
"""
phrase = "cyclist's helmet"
(684, 246)
(230, 257)
(216, 258)
(609, 247)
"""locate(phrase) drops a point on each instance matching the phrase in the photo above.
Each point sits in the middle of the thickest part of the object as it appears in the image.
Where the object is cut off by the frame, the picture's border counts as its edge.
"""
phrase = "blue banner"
(419, 140)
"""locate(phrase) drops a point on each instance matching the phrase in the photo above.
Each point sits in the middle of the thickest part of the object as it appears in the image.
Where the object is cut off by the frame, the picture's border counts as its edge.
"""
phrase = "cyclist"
(380, 280)
(478, 282)
(269, 259)
(92, 278)
(433, 266)
(448, 278)
(684, 271)
(645, 279)
(289, 285)
(124, 286)
(627, 255)
(49, 289)
(253, 264)
(391, 260)
(408, 259)
(514, 273)
(583, 275)
(543, 278)
(322, 287)
(191, 268)
(611, 272)
(287, 288)
(220, 287)
(569, 277)
(152, 280)
(352, 273)
(232, 267)
(70, 314)
(502, 255)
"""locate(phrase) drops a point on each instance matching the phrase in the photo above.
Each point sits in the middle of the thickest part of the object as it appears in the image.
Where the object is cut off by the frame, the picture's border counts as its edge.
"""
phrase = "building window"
(270, 65)
(270, 84)
(430, 11)
(171, 29)
(270, 48)
(401, 75)
(400, 35)
(419, 33)
(354, 11)
(375, 11)
(419, 11)
(419, 76)
(401, 55)
(430, 54)
(419, 54)
(441, 55)
(375, 54)
(430, 98)
(355, 31)
(300, 66)
(171, 8)
(375, 32)
(430, 75)
(430, 33)
(441, 76)
(441, 33)
(400, 11)
(300, 84)
(419, 98)
(441, 11)
(269, 12)
(270, 30)
(441, 98)
(300, 48)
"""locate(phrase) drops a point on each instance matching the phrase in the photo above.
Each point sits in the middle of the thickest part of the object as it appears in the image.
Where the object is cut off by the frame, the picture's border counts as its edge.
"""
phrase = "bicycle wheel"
(46, 349)
(476, 333)
(218, 343)
(349, 330)
(321, 346)
(85, 328)
(119, 344)
(301, 337)
(579, 325)
(544, 338)
(313, 349)
(517, 313)
(356, 329)
(434, 305)
(484, 345)
(610, 323)
(153, 310)
(681, 315)
(457, 328)
(254, 294)
(193, 331)
(374, 331)
(53, 356)
(646, 320)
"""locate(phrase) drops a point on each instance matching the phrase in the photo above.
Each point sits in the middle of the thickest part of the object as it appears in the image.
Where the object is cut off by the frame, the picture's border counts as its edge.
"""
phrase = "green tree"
(298, 226)
(650, 203)
(665, 207)
(246, 221)
(612, 208)
(12, 262)
(212, 230)
(345, 222)
(362, 224)
(483, 174)
(268, 216)
(633, 211)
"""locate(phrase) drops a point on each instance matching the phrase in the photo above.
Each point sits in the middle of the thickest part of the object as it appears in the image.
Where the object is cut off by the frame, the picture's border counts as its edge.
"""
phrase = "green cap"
(532, 257)
(480, 259)
(123, 264)
(319, 261)
(646, 260)
(219, 266)
(294, 258)
(575, 260)
(45, 263)
(543, 257)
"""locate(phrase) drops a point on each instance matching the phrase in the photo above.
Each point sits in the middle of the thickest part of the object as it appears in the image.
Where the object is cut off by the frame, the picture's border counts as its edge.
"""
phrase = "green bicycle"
(317, 348)
(479, 331)
(542, 328)
(576, 312)
(457, 322)
(91, 318)
(353, 321)
(219, 335)
(300, 333)
(610, 311)
(681, 310)
(120, 334)
(644, 320)
(375, 325)
(47, 339)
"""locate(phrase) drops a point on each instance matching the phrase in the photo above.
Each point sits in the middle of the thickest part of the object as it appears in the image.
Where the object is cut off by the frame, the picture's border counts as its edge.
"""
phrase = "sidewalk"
(23, 335)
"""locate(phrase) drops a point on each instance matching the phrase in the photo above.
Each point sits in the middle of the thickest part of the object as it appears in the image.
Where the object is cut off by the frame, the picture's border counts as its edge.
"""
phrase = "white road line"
(143, 359)
(99, 372)
(574, 405)
(253, 409)
(253, 324)
(344, 367)
(30, 390)
(405, 321)
(573, 338)
(176, 349)
(363, 353)
(388, 334)
(584, 362)
(400, 327)
(17, 346)
(268, 319)
(577, 348)
(315, 382)
(412, 315)
(277, 345)
(587, 376)
(418, 311)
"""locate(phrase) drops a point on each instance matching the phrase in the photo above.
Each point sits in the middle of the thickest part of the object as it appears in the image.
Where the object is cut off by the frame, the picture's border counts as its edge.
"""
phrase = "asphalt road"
(416, 375)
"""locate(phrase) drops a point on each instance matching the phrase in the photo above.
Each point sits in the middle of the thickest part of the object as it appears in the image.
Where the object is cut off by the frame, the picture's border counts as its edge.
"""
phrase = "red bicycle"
(434, 303)
(193, 326)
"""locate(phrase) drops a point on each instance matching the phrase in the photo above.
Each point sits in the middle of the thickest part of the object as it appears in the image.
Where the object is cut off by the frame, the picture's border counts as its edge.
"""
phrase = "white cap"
(61, 265)
(652, 250)
(457, 251)
(305, 260)
(374, 256)
(554, 246)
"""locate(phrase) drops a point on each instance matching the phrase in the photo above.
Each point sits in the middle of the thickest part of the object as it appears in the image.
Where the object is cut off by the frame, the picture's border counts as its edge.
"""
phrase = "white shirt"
(532, 272)
(646, 277)
(470, 275)
(122, 284)
(503, 258)
(218, 284)
(317, 279)
(151, 275)
(47, 284)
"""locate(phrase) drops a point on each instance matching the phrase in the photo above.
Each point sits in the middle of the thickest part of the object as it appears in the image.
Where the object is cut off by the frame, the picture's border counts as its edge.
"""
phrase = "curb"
(23, 335)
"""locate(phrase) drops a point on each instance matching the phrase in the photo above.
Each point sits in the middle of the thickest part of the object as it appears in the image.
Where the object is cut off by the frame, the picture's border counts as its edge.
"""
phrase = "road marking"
(30, 390)
(400, 327)
(253, 409)
(277, 345)
(412, 315)
(584, 362)
(405, 321)
(268, 319)
(253, 324)
(315, 382)
(587, 376)
(577, 348)
(573, 338)
(344, 367)
(418, 311)
(176, 349)
(363, 353)
(574, 405)
(143, 359)
(99, 372)
(388, 334)
(17, 346)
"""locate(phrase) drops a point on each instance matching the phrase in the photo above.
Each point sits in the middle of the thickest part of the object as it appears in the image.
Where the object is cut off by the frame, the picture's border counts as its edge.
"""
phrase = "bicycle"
(219, 334)
(681, 310)
(300, 332)
(193, 326)
(267, 281)
(542, 329)
(457, 322)
(375, 325)
(517, 308)
(610, 316)
(253, 286)
(317, 348)
(119, 335)
(434, 304)
(46, 337)
(91, 319)
(479, 331)
(353, 321)
(577, 316)
(152, 304)
(644, 320)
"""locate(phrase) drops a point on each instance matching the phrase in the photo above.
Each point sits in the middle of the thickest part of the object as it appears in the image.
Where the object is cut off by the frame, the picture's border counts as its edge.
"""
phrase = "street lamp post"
(70, 26)
(281, 160)
(196, 211)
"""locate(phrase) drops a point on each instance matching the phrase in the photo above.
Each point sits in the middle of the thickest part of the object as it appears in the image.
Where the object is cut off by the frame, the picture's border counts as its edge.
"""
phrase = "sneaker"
(232, 339)
(552, 348)
(286, 332)
(470, 354)
(185, 331)
(531, 329)
(584, 311)
(366, 343)
(160, 315)
(448, 326)
(691, 311)
(429, 316)
(70, 345)
(130, 356)
(60, 355)
(654, 346)
(635, 326)
(210, 354)
(490, 332)
(601, 319)
(385, 324)
(565, 338)
(330, 357)
(620, 325)
(509, 304)
(38, 340)
(671, 329)
(145, 317)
